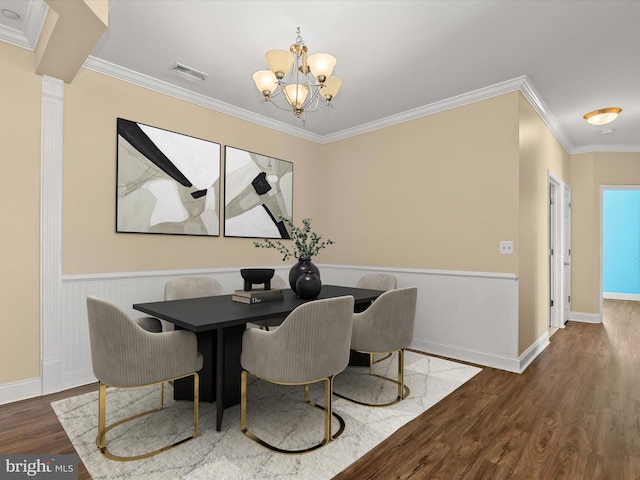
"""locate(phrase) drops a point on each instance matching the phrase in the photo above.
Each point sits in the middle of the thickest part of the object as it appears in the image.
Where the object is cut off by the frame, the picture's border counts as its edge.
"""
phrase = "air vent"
(189, 73)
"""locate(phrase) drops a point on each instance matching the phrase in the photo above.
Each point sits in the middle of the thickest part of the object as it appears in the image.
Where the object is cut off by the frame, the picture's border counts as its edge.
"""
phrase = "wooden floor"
(573, 414)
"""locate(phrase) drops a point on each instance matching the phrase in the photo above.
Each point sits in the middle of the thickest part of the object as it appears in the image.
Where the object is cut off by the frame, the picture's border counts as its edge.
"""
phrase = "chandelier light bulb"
(331, 87)
(296, 94)
(265, 81)
(279, 61)
(321, 65)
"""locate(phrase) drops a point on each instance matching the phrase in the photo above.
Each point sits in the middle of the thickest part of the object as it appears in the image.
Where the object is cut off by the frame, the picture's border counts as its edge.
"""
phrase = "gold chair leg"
(328, 413)
(373, 361)
(403, 390)
(103, 428)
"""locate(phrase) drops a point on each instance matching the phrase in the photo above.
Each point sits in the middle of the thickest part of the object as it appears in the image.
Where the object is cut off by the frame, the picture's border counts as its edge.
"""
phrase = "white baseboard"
(77, 378)
(510, 364)
(621, 296)
(585, 317)
(51, 375)
(467, 355)
(13, 392)
(533, 351)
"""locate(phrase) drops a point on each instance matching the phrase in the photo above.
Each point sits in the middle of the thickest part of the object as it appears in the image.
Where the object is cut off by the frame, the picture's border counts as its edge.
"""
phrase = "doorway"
(620, 242)
(559, 253)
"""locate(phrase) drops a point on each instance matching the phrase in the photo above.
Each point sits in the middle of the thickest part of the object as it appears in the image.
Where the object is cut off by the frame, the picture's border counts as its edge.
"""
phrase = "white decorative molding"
(533, 351)
(126, 75)
(585, 317)
(606, 149)
(34, 21)
(477, 357)
(433, 108)
(469, 316)
(522, 84)
(422, 271)
(51, 167)
(621, 296)
(545, 114)
(16, 391)
(482, 328)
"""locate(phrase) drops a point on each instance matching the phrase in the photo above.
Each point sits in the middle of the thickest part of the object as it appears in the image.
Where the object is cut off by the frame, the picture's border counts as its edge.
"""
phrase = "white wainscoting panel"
(123, 290)
(469, 316)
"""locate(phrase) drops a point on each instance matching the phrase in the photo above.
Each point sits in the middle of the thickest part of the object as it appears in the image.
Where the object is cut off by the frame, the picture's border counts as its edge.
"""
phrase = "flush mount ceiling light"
(602, 116)
(309, 84)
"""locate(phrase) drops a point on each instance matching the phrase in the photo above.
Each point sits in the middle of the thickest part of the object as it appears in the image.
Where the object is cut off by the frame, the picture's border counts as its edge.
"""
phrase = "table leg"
(219, 379)
(228, 369)
(183, 388)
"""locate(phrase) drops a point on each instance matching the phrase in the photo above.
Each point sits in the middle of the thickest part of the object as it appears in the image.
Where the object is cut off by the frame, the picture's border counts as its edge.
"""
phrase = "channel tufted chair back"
(386, 327)
(311, 345)
(125, 355)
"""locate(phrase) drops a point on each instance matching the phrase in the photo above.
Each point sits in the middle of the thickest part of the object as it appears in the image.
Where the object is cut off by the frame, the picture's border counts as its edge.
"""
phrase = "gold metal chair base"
(328, 413)
(103, 428)
(403, 390)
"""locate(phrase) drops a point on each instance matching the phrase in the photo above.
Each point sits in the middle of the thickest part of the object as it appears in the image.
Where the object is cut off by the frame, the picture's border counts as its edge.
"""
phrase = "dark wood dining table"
(219, 323)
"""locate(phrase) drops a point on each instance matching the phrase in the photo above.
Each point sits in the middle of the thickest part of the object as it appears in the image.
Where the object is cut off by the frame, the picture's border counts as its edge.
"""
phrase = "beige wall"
(540, 154)
(20, 209)
(439, 192)
(588, 173)
(90, 244)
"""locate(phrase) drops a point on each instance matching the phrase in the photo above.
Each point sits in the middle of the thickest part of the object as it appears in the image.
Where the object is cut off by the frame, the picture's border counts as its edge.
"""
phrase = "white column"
(51, 158)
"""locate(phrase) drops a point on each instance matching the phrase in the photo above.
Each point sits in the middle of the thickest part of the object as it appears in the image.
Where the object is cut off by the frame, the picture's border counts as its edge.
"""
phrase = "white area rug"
(274, 412)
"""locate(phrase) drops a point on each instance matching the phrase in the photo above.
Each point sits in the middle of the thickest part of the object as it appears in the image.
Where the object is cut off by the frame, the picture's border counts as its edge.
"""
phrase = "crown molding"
(606, 149)
(130, 76)
(29, 36)
(501, 88)
(545, 114)
(522, 84)
(28, 39)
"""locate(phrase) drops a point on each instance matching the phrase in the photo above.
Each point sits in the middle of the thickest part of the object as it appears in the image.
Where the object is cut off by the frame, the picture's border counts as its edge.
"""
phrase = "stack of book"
(257, 296)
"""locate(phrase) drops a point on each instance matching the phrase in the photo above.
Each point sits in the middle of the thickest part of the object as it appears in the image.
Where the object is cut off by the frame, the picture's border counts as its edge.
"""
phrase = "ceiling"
(397, 59)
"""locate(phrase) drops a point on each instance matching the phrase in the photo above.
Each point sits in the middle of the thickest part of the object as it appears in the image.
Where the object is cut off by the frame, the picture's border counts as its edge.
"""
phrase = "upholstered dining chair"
(125, 355)
(377, 281)
(277, 283)
(190, 287)
(311, 345)
(386, 327)
(373, 281)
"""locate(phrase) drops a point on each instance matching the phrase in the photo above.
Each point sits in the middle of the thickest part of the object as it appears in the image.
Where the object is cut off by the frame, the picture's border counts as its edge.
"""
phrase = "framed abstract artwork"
(168, 183)
(258, 193)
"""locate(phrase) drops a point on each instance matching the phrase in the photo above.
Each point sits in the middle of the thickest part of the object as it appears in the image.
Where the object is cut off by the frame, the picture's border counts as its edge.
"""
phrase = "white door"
(552, 250)
(566, 253)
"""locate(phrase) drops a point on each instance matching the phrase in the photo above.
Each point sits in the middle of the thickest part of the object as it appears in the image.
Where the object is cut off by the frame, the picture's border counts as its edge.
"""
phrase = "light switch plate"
(506, 247)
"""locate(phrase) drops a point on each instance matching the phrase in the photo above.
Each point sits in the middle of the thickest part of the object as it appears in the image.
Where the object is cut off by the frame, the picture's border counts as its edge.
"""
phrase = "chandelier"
(305, 82)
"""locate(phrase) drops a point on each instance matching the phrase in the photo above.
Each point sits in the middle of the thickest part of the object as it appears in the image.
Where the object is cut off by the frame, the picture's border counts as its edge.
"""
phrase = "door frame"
(602, 190)
(559, 283)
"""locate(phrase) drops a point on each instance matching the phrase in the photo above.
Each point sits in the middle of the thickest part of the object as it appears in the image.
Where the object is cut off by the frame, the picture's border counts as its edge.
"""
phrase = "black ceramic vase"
(299, 269)
(308, 286)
